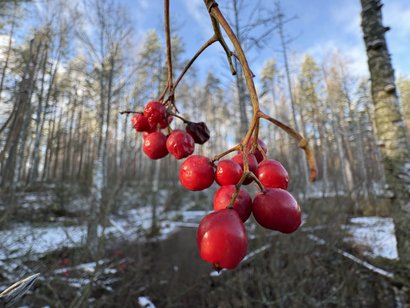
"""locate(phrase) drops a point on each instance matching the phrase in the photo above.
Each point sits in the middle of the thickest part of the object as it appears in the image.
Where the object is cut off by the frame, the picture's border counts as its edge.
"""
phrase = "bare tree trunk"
(279, 18)
(17, 124)
(49, 148)
(58, 146)
(41, 118)
(8, 52)
(390, 127)
(301, 163)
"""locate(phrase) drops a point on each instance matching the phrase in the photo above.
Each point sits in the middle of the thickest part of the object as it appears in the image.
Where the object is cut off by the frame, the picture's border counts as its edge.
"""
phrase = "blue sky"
(321, 27)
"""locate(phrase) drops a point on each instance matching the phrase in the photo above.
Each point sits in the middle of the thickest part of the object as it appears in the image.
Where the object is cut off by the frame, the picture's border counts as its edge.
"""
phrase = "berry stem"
(129, 112)
(244, 176)
(179, 117)
(255, 178)
(255, 137)
(208, 43)
(220, 38)
(168, 43)
(219, 156)
(302, 143)
(219, 20)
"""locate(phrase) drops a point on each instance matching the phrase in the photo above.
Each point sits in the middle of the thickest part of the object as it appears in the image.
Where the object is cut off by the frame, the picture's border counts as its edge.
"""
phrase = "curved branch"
(302, 143)
(208, 43)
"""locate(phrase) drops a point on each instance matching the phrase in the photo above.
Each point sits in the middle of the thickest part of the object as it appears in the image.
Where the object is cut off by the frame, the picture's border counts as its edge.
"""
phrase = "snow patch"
(25, 240)
(376, 234)
(145, 302)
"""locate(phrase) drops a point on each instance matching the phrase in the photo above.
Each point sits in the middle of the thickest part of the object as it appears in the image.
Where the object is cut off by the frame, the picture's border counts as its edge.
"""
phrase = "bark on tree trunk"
(389, 124)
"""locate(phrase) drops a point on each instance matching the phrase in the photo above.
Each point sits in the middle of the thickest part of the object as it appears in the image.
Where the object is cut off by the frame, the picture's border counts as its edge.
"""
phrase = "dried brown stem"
(219, 20)
(236, 56)
(161, 97)
(302, 143)
(168, 43)
(208, 43)
(128, 112)
(256, 180)
(244, 176)
(221, 40)
(179, 117)
(219, 156)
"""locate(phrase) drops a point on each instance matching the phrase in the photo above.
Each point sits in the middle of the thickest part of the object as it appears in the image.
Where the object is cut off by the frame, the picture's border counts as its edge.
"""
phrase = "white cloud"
(355, 54)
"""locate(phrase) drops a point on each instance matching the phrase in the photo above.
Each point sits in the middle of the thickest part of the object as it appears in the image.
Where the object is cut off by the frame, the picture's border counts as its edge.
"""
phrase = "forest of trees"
(65, 79)
(63, 84)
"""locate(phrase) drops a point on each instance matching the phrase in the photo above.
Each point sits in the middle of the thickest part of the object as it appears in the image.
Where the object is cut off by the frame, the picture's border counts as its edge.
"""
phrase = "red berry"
(272, 174)
(242, 204)
(276, 209)
(253, 164)
(257, 153)
(228, 172)
(140, 122)
(155, 112)
(196, 173)
(180, 144)
(155, 145)
(149, 131)
(165, 121)
(222, 239)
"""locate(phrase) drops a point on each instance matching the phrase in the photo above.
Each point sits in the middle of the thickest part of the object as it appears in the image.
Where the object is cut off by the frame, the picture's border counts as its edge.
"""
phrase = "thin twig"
(208, 43)
(128, 112)
(179, 117)
(302, 143)
(217, 30)
(168, 43)
(219, 156)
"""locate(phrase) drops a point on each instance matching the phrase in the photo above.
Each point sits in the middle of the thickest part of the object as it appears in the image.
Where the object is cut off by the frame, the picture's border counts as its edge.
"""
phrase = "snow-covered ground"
(374, 233)
(24, 240)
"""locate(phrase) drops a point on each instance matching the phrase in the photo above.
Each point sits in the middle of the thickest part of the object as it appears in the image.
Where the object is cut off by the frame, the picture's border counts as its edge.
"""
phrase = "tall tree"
(390, 128)
(404, 89)
(104, 44)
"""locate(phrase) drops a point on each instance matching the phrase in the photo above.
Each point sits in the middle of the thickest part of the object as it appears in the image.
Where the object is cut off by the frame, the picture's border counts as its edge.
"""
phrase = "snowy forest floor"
(343, 255)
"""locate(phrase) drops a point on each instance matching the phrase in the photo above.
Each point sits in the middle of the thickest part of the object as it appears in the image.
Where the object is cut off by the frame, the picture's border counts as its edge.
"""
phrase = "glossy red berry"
(155, 145)
(140, 122)
(149, 131)
(272, 174)
(222, 239)
(196, 173)
(242, 204)
(257, 153)
(253, 164)
(180, 144)
(155, 112)
(228, 172)
(165, 121)
(276, 209)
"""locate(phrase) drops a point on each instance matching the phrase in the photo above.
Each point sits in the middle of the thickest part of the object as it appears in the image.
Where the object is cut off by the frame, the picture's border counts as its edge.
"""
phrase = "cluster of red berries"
(221, 235)
(178, 142)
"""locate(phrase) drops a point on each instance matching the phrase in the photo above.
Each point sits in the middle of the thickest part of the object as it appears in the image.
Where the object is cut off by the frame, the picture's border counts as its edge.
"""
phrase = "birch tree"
(390, 127)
